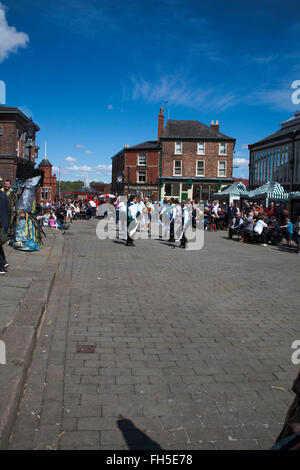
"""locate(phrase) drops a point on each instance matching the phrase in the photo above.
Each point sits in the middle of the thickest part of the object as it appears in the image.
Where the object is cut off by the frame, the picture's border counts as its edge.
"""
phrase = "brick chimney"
(215, 126)
(161, 120)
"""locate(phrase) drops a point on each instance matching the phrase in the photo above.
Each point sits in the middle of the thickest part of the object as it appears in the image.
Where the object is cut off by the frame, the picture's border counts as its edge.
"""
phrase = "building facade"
(188, 160)
(47, 191)
(277, 157)
(196, 160)
(18, 149)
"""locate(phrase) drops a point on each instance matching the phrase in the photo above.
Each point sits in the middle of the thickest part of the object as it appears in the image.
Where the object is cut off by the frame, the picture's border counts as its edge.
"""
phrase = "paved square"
(192, 348)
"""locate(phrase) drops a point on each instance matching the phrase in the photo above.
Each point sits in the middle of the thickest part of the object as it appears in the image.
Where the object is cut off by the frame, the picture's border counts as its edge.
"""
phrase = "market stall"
(232, 193)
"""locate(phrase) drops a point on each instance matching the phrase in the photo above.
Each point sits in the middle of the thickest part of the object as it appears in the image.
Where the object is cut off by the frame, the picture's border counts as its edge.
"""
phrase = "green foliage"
(74, 186)
(70, 185)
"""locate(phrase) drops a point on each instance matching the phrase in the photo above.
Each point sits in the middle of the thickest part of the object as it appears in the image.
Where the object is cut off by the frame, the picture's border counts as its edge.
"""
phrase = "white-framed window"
(200, 168)
(177, 168)
(178, 148)
(141, 177)
(45, 194)
(223, 148)
(200, 148)
(142, 159)
(222, 168)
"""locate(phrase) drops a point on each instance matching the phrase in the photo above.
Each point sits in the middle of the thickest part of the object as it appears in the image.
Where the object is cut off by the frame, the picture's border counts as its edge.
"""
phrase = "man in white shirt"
(149, 210)
(132, 223)
(93, 207)
(185, 222)
(172, 220)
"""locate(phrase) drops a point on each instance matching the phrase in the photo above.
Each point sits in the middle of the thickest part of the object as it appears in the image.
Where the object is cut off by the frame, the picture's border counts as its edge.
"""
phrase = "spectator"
(289, 231)
(232, 214)
(261, 228)
(246, 227)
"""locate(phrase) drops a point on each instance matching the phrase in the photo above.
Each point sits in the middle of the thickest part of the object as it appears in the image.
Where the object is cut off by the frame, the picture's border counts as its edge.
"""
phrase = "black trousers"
(172, 239)
(2, 257)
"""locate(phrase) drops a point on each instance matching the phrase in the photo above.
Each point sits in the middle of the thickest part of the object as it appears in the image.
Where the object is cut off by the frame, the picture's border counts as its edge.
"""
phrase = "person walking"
(185, 222)
(132, 223)
(172, 220)
(5, 214)
(149, 212)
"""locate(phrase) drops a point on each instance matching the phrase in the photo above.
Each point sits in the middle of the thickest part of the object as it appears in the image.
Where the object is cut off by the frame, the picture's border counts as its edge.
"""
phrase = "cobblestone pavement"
(192, 349)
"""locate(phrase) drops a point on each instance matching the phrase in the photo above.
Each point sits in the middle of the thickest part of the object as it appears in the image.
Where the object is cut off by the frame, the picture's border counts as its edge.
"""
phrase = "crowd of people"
(61, 212)
(265, 225)
(253, 223)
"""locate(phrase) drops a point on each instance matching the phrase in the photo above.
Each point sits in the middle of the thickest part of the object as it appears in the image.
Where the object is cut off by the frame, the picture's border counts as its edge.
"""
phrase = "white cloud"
(10, 38)
(278, 99)
(241, 161)
(245, 146)
(179, 91)
(70, 159)
(80, 168)
(262, 60)
(104, 167)
(89, 152)
(95, 170)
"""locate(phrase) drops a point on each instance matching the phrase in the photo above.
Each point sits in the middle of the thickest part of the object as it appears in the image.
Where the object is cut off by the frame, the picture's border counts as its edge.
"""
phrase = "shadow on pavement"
(136, 439)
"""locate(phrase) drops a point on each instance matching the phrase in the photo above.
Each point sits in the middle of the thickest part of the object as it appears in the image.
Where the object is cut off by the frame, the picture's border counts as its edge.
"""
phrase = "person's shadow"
(136, 439)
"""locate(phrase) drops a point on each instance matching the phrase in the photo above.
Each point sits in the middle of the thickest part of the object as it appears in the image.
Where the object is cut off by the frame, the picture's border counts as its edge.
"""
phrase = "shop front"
(189, 188)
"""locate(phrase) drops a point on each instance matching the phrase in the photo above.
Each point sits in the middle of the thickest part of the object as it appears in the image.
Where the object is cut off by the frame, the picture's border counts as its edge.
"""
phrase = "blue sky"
(94, 73)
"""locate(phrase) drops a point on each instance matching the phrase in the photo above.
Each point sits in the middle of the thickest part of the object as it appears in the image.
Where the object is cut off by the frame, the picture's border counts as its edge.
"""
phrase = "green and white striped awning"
(295, 195)
(236, 189)
(269, 190)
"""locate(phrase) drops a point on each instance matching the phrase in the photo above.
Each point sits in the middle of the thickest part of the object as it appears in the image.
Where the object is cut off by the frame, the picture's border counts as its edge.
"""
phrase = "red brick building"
(196, 160)
(188, 160)
(18, 150)
(47, 191)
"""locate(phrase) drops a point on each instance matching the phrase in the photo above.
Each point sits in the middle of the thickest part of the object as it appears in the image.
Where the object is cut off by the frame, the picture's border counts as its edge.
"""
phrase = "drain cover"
(85, 348)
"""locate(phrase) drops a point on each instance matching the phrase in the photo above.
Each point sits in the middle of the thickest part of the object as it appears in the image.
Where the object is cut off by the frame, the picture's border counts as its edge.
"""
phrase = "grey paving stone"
(188, 370)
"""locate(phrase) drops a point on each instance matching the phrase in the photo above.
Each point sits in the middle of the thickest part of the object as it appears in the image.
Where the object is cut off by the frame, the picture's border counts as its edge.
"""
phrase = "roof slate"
(191, 129)
(45, 162)
(149, 144)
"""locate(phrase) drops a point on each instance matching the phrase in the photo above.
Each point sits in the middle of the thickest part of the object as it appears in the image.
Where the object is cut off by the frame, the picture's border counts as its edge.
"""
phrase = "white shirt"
(122, 206)
(186, 216)
(92, 204)
(259, 226)
(173, 212)
(132, 210)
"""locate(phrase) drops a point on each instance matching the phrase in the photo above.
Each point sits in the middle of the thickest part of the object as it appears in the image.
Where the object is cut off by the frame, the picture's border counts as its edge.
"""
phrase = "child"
(289, 231)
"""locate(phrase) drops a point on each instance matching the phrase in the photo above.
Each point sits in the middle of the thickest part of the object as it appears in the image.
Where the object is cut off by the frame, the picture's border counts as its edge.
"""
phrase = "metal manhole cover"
(85, 348)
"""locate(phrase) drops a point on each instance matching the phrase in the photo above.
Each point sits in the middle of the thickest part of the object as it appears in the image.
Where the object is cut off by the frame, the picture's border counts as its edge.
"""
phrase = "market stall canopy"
(236, 189)
(270, 190)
